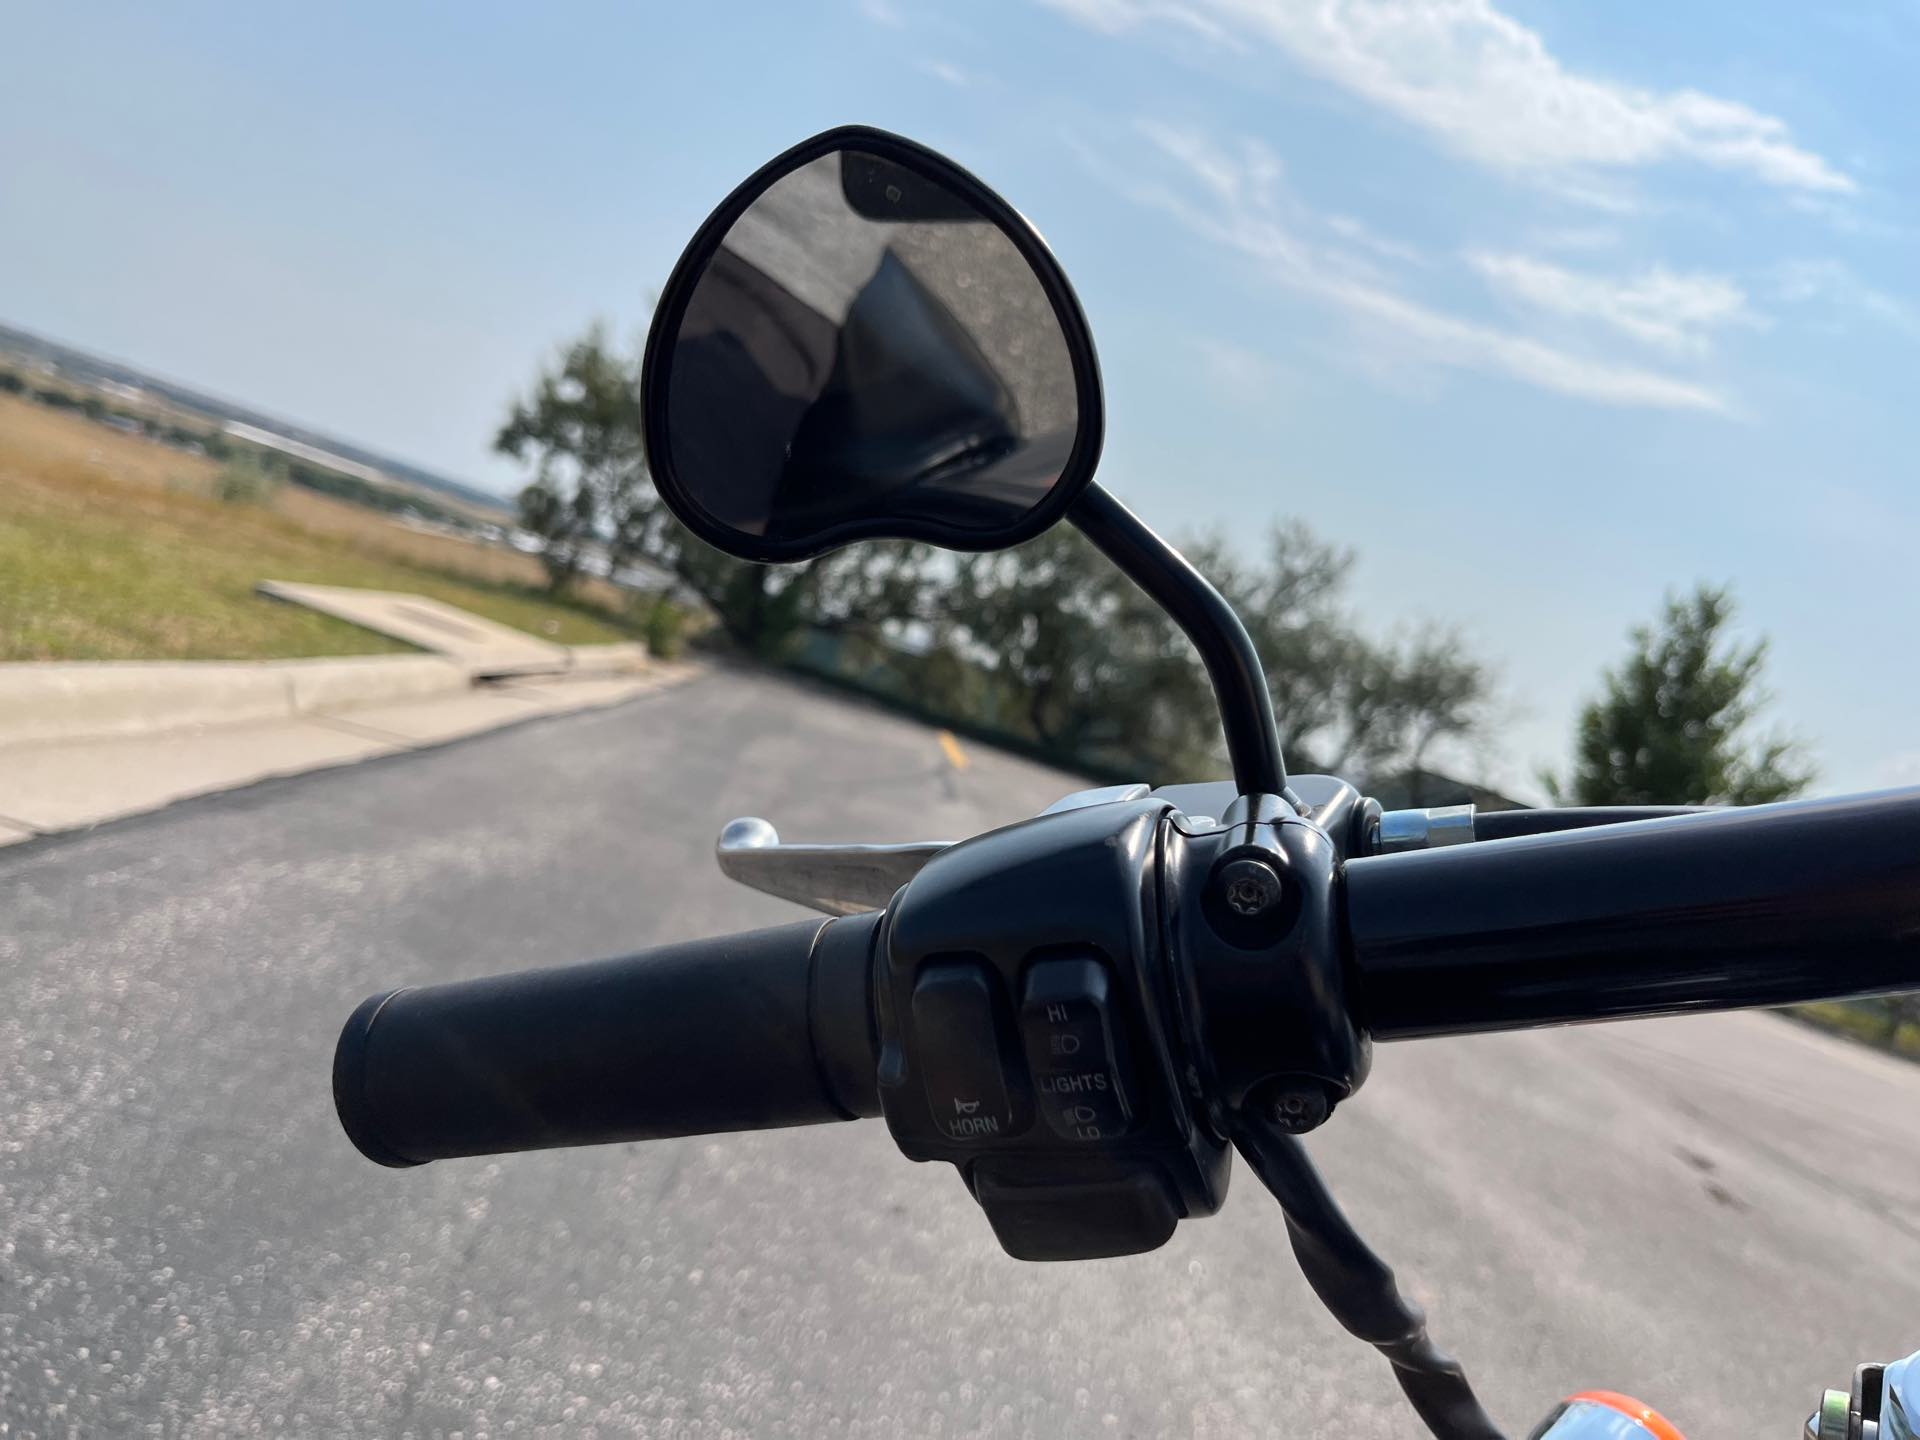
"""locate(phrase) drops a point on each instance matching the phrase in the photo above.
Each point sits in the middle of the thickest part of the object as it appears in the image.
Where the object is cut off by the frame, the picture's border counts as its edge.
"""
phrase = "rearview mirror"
(862, 341)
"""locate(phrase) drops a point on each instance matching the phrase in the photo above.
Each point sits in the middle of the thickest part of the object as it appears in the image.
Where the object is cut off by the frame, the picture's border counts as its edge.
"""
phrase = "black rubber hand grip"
(744, 1032)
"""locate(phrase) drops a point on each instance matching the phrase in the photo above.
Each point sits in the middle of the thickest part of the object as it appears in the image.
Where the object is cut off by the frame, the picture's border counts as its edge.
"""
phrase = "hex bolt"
(1249, 887)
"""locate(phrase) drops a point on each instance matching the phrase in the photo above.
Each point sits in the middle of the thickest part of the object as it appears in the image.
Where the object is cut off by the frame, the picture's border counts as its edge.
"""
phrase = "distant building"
(300, 450)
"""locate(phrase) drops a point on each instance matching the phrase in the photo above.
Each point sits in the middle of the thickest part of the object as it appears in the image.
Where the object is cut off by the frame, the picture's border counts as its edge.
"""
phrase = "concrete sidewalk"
(485, 648)
(52, 785)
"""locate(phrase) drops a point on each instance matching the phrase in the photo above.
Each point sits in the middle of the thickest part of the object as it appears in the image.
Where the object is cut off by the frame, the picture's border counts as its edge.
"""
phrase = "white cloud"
(1115, 17)
(1832, 286)
(1574, 237)
(951, 74)
(1487, 86)
(1247, 375)
(882, 12)
(1245, 210)
(1248, 178)
(1358, 232)
(1846, 218)
(1675, 312)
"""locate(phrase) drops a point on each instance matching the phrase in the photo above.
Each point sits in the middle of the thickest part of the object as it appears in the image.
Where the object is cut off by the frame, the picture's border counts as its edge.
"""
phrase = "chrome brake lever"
(834, 879)
(849, 879)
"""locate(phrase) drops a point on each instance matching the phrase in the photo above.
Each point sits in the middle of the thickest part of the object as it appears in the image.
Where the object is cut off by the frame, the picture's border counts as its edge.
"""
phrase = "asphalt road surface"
(1719, 1214)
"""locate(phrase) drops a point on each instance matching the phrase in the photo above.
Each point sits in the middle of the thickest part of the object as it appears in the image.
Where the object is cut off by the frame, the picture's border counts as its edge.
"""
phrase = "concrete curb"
(74, 783)
(624, 659)
(80, 699)
(89, 700)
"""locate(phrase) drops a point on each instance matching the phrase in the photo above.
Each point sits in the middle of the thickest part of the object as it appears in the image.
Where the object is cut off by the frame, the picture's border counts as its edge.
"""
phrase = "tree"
(1047, 641)
(1091, 665)
(580, 429)
(1401, 699)
(1289, 599)
(1345, 703)
(1081, 661)
(1671, 725)
(564, 522)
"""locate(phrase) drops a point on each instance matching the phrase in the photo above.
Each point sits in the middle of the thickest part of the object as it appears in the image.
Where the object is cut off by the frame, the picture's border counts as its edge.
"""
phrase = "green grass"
(1863, 1021)
(112, 548)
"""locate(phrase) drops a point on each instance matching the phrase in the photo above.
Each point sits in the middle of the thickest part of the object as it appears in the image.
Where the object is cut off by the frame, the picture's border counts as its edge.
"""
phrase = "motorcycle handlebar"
(1767, 905)
(744, 1032)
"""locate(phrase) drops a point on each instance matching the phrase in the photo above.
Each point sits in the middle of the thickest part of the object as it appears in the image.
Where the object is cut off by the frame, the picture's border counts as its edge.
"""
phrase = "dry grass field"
(114, 547)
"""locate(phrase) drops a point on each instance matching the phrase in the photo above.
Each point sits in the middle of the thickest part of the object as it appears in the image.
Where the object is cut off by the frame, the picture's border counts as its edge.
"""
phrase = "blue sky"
(1544, 308)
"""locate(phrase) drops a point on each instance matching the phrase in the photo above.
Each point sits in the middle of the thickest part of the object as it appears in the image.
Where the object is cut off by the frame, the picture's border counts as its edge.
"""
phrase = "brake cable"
(1357, 1286)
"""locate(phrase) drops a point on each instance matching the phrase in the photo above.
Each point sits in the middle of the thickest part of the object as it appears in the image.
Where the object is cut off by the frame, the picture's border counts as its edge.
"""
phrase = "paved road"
(1722, 1214)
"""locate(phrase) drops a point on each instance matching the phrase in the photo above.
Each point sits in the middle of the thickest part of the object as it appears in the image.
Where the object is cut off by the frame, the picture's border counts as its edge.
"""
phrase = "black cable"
(1357, 1286)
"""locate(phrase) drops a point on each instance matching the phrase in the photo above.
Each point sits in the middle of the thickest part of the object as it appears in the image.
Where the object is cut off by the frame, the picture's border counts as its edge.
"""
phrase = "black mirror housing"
(865, 341)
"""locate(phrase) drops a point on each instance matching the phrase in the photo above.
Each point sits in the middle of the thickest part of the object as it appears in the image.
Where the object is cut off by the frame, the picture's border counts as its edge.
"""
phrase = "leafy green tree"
(1345, 702)
(1672, 723)
(1289, 598)
(1081, 661)
(1401, 698)
(1048, 641)
(1091, 665)
(580, 429)
(564, 523)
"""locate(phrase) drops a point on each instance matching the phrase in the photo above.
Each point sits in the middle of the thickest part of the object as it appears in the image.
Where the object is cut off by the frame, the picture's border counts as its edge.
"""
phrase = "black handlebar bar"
(1506, 824)
(741, 1032)
(1769, 905)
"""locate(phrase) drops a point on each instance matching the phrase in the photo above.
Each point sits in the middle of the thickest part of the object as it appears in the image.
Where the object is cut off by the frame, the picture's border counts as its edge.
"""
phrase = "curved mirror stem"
(1233, 665)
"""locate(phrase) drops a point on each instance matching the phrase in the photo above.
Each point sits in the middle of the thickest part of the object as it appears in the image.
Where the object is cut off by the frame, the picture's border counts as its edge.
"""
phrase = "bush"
(246, 481)
(1890, 1022)
(356, 491)
(664, 626)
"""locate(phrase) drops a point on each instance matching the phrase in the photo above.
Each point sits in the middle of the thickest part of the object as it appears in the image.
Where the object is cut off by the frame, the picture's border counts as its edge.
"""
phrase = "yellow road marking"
(956, 757)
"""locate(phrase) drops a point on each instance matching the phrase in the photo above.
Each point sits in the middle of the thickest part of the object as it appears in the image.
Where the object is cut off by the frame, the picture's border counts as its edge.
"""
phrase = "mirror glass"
(866, 348)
